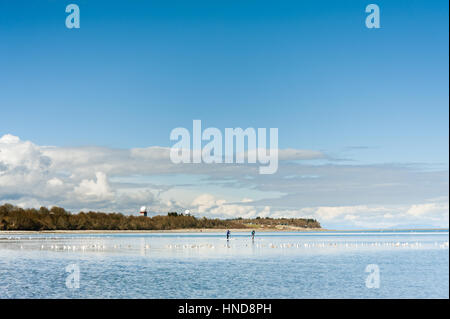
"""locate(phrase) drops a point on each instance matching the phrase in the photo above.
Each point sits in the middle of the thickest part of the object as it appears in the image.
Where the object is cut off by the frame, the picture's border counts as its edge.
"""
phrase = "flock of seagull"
(100, 246)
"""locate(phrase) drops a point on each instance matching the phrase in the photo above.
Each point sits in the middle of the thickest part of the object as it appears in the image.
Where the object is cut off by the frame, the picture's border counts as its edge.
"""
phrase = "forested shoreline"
(57, 218)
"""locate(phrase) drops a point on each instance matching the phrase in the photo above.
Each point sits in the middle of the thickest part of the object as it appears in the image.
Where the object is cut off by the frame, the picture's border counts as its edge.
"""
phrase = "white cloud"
(427, 209)
(96, 190)
(210, 205)
(55, 182)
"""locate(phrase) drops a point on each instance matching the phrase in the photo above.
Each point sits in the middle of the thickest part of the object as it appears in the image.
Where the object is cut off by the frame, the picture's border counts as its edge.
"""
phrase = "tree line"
(57, 218)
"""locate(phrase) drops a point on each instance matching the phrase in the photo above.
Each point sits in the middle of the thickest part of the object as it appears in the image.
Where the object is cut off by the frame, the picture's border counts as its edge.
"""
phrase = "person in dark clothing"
(228, 234)
(253, 235)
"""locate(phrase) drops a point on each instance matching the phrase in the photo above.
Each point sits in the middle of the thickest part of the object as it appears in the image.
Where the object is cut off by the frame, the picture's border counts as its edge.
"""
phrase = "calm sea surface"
(205, 265)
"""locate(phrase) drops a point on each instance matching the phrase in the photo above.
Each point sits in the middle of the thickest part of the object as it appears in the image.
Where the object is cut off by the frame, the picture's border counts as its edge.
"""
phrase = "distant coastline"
(16, 220)
(13, 218)
(168, 231)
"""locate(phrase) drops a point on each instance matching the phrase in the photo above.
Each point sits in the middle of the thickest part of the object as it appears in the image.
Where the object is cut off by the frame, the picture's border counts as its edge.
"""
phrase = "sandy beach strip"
(187, 230)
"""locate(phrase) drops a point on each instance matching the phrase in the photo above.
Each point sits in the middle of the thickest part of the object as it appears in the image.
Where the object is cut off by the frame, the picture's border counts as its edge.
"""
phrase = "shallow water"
(205, 265)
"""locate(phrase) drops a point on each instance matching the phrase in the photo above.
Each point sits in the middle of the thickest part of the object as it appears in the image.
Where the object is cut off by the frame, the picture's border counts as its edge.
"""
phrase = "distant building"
(143, 211)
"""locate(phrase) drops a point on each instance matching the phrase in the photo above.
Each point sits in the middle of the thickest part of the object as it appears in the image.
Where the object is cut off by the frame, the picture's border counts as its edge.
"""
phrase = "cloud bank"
(338, 195)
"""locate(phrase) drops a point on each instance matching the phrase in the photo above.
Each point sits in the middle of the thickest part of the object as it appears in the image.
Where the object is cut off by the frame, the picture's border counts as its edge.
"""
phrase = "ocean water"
(205, 265)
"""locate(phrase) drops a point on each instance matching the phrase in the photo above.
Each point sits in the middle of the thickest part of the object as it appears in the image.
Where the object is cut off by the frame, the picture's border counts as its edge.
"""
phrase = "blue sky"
(137, 69)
